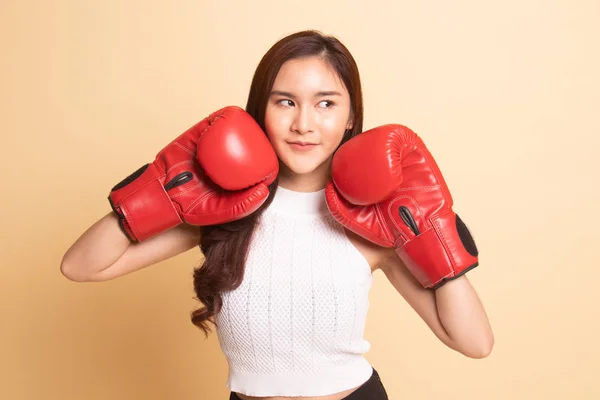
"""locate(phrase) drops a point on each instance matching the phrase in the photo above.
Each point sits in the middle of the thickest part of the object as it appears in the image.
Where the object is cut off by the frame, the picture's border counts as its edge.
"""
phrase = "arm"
(453, 312)
(387, 187)
(103, 251)
(158, 208)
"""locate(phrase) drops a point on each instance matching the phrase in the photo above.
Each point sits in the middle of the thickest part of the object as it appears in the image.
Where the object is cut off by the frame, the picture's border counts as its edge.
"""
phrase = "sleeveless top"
(295, 325)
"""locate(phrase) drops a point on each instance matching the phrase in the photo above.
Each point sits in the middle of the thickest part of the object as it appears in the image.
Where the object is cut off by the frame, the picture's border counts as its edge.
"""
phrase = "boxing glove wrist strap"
(143, 205)
(442, 253)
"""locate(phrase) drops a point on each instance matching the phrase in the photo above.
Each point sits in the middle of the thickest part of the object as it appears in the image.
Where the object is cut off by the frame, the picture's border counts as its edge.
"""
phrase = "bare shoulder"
(375, 255)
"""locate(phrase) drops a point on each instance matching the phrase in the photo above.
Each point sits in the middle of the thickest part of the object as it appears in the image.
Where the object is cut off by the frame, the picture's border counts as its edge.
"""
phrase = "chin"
(302, 167)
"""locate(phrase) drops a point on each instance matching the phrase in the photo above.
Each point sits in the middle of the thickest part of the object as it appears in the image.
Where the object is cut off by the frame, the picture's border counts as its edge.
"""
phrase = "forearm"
(464, 318)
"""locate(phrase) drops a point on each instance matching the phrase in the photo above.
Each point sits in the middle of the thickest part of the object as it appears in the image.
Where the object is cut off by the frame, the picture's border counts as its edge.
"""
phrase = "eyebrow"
(322, 93)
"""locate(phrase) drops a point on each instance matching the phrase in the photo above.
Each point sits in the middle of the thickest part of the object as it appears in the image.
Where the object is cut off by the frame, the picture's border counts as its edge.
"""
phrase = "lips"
(302, 145)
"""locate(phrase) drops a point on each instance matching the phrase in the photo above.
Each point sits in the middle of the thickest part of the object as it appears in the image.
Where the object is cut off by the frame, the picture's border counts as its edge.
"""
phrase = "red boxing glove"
(387, 187)
(215, 172)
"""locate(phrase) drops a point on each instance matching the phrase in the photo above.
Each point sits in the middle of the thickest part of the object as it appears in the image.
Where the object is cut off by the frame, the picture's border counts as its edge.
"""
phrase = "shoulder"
(376, 256)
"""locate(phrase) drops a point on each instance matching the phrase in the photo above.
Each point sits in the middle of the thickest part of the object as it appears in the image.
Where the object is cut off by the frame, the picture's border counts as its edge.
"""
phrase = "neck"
(295, 203)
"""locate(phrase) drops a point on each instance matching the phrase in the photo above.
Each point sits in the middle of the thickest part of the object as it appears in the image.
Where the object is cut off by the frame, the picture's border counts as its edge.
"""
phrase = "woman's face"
(306, 115)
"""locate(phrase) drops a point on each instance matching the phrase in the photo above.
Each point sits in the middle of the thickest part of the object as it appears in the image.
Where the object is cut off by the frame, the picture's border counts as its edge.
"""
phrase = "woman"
(285, 282)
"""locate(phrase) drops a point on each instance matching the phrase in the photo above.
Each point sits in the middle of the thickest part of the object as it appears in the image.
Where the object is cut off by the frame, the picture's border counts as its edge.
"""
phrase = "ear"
(350, 123)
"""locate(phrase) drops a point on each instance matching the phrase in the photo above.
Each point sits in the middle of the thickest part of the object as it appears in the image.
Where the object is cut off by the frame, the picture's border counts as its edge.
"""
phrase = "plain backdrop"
(505, 94)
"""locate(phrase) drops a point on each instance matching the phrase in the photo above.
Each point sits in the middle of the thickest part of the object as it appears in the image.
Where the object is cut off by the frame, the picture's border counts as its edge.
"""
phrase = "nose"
(303, 122)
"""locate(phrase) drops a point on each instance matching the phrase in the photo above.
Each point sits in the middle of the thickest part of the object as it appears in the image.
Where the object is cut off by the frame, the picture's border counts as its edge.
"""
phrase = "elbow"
(478, 346)
(479, 353)
(67, 273)
(480, 349)
(71, 273)
(75, 274)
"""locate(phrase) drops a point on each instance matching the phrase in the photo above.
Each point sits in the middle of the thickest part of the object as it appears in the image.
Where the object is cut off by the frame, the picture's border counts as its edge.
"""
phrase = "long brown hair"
(225, 246)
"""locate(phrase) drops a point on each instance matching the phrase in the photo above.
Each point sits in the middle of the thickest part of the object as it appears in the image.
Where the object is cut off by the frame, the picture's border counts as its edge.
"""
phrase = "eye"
(326, 104)
(285, 103)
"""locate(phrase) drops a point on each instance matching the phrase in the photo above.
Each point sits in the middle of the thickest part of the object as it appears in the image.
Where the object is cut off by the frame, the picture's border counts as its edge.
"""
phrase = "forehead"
(306, 75)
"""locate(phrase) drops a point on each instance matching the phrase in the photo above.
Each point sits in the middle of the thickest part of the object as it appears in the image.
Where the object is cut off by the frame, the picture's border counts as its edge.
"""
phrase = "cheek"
(274, 124)
(334, 128)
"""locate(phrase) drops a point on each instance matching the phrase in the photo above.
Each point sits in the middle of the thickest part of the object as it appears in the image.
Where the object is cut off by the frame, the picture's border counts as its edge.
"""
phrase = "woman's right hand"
(217, 171)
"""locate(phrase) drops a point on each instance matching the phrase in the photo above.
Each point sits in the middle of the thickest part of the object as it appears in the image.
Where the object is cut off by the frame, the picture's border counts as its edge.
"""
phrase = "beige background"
(505, 94)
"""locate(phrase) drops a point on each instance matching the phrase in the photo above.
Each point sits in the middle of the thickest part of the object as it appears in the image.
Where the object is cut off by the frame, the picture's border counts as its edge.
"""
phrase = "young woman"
(288, 263)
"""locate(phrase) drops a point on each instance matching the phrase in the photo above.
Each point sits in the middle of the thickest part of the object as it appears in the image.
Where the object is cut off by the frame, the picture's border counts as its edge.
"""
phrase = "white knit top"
(295, 325)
